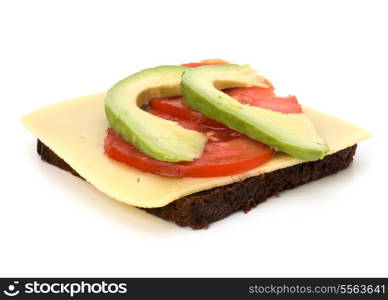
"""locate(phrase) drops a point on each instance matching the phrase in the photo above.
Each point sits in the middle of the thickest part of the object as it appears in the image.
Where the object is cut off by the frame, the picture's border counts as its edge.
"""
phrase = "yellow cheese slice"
(75, 131)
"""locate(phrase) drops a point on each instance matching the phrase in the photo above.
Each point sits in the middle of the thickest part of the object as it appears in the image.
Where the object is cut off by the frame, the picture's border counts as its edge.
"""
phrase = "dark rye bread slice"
(200, 209)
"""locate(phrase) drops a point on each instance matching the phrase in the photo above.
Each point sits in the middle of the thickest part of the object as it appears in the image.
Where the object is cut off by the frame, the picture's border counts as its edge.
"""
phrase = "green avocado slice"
(161, 139)
(294, 134)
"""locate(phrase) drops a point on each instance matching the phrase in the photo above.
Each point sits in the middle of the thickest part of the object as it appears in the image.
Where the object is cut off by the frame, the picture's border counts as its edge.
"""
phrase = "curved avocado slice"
(294, 134)
(161, 139)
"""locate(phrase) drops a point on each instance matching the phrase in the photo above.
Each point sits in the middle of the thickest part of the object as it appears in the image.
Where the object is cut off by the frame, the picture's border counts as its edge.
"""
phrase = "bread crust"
(200, 209)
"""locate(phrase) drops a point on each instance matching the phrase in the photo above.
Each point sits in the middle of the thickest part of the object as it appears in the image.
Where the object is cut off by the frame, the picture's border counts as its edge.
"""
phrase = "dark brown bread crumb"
(200, 209)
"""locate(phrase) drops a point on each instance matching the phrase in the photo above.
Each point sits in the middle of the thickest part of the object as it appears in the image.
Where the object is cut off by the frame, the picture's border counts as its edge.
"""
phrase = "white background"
(332, 55)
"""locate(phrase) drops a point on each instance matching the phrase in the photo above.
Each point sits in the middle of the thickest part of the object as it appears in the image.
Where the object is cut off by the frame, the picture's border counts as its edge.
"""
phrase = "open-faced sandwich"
(193, 143)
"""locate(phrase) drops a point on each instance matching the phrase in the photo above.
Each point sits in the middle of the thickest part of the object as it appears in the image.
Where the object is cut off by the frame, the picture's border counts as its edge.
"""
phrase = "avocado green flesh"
(158, 138)
(293, 134)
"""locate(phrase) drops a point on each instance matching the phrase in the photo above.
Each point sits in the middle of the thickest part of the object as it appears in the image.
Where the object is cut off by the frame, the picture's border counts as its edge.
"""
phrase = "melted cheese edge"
(75, 131)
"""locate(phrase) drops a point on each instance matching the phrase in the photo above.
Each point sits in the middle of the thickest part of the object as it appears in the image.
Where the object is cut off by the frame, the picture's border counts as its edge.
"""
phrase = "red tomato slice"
(214, 134)
(265, 98)
(188, 124)
(221, 158)
(177, 108)
(206, 62)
